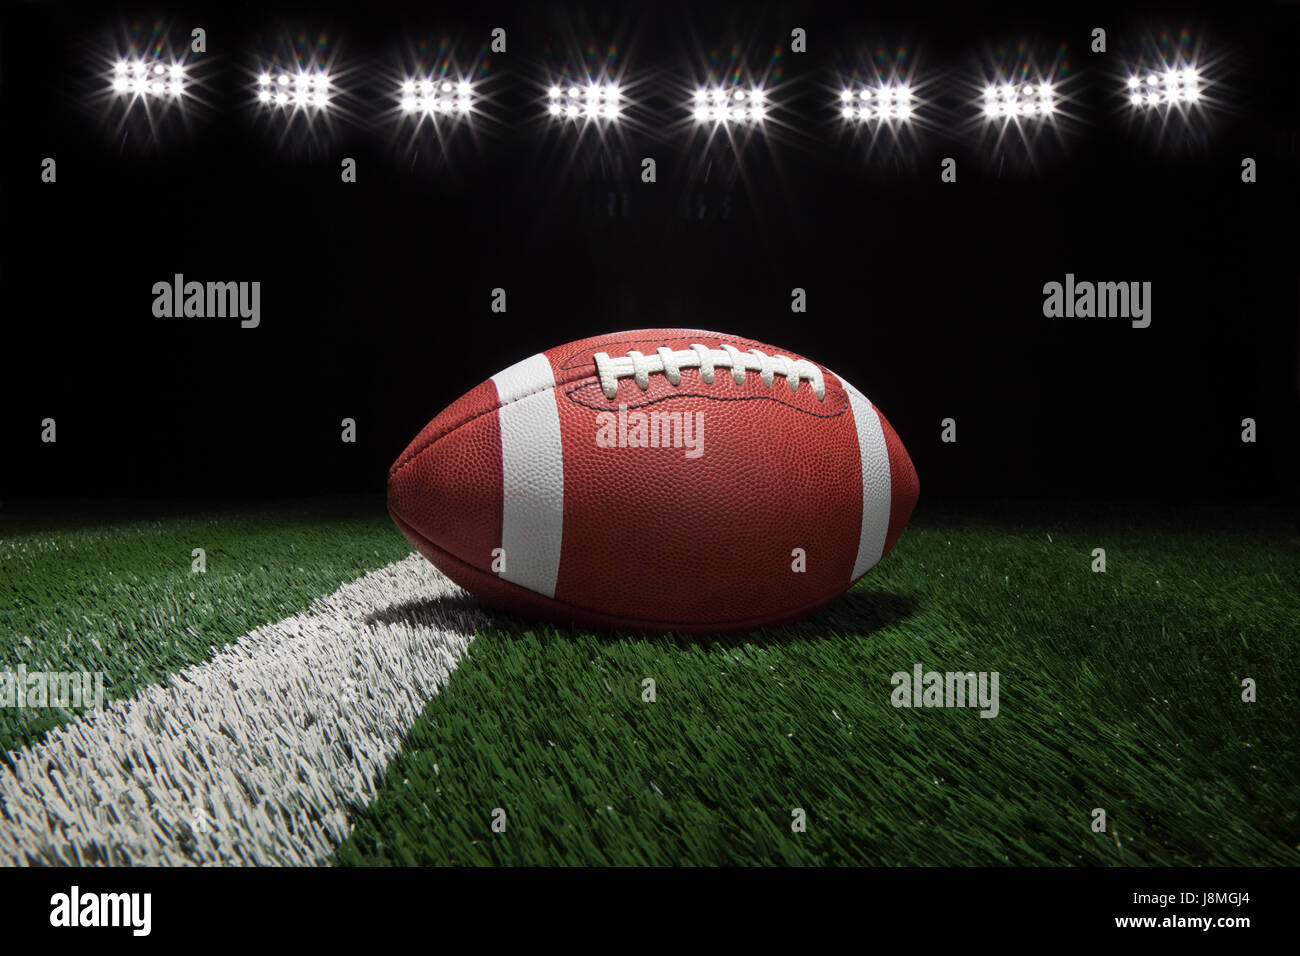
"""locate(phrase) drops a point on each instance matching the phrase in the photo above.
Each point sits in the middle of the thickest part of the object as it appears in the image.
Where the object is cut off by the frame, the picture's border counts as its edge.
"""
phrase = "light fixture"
(1168, 87)
(149, 78)
(1026, 100)
(732, 104)
(879, 102)
(427, 96)
(298, 88)
(585, 99)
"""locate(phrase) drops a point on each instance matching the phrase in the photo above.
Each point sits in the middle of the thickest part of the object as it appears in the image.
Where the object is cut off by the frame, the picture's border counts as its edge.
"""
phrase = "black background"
(342, 906)
(375, 295)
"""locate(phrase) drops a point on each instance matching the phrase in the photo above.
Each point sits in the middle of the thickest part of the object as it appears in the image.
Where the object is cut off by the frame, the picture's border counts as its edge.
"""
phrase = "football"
(656, 480)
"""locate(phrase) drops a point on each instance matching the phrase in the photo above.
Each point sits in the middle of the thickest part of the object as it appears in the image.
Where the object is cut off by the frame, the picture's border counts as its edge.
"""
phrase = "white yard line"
(255, 756)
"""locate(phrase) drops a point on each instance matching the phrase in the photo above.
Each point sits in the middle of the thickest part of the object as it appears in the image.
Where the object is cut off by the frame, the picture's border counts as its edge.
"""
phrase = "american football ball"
(656, 480)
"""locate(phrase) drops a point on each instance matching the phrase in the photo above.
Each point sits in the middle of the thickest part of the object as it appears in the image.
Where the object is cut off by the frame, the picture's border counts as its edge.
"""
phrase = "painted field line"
(255, 756)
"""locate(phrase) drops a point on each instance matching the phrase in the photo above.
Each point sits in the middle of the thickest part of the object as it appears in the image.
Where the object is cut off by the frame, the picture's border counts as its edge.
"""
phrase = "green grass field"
(113, 592)
(1119, 690)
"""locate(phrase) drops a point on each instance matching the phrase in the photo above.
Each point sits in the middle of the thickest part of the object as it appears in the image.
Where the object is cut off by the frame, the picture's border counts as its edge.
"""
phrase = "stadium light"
(1014, 100)
(154, 78)
(589, 100)
(1169, 87)
(299, 89)
(736, 104)
(430, 96)
(883, 103)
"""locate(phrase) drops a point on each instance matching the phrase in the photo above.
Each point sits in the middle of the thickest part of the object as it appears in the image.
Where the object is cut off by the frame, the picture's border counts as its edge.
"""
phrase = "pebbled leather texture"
(653, 538)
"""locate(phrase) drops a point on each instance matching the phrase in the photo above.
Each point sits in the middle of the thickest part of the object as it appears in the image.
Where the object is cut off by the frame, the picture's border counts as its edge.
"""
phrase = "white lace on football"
(640, 367)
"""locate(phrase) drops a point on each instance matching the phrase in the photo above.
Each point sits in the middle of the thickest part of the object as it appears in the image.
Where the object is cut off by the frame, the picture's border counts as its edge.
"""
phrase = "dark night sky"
(375, 295)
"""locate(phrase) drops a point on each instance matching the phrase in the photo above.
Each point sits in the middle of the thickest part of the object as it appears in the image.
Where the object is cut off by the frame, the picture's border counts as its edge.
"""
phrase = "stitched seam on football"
(844, 407)
(583, 357)
(586, 356)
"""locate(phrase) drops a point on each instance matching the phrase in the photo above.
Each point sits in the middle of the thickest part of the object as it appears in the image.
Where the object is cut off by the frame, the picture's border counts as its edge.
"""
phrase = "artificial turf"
(110, 591)
(1118, 690)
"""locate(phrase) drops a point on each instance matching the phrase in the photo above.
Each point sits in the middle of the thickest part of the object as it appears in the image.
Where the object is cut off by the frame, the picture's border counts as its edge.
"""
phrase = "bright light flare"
(882, 103)
(149, 78)
(734, 104)
(1019, 101)
(587, 99)
(297, 88)
(428, 96)
(1168, 87)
